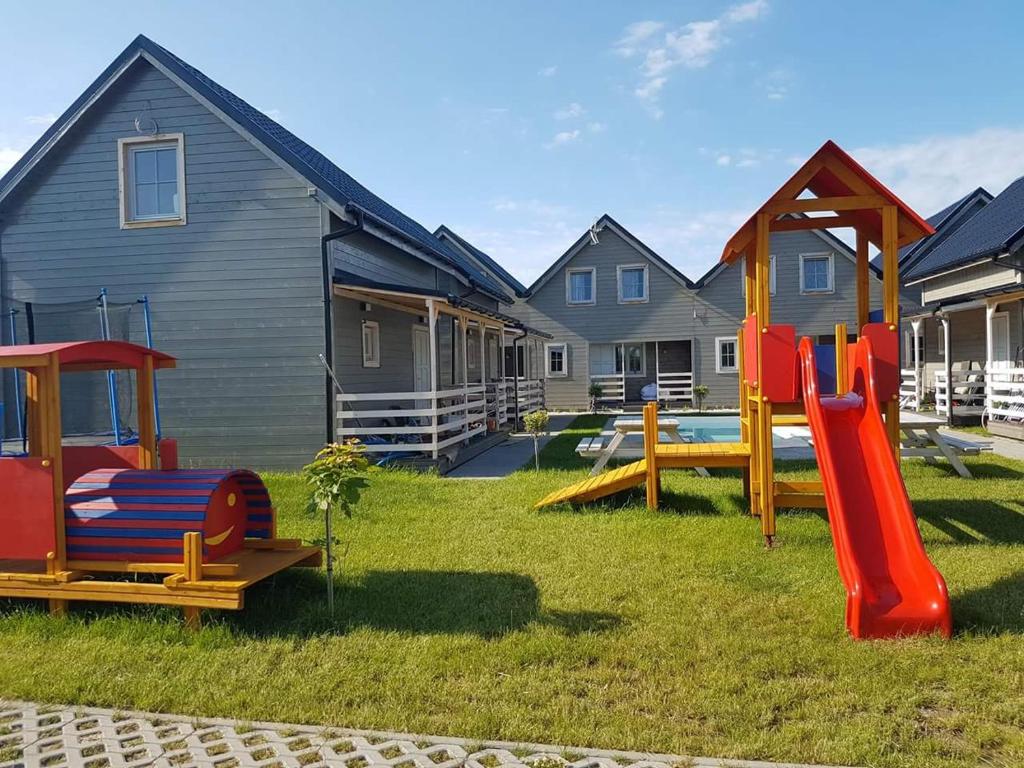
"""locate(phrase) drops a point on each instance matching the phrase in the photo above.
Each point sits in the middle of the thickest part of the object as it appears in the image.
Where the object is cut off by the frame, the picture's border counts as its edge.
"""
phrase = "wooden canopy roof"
(83, 356)
(841, 185)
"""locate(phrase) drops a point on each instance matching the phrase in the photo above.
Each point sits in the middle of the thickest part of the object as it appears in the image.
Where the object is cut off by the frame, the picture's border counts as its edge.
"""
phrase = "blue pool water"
(710, 429)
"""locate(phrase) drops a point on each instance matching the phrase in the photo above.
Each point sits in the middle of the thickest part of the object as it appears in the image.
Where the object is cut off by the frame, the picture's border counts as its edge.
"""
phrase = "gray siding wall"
(668, 314)
(812, 314)
(236, 293)
(677, 313)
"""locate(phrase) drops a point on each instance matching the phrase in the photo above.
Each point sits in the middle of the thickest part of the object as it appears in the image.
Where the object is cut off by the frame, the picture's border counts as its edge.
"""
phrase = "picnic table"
(594, 446)
(923, 438)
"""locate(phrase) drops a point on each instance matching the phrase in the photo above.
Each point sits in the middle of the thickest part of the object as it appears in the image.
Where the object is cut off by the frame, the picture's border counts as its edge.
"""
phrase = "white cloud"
(273, 113)
(597, 127)
(8, 157)
(723, 160)
(563, 137)
(47, 119)
(934, 171)
(740, 158)
(571, 112)
(692, 240)
(635, 36)
(691, 46)
(532, 207)
(548, 71)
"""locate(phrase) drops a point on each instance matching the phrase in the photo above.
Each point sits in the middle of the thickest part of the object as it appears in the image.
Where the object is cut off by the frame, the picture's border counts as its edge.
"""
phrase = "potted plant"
(699, 393)
(594, 392)
(536, 423)
(336, 477)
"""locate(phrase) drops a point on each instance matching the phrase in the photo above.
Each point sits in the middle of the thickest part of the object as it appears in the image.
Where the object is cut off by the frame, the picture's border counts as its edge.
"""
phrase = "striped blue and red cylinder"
(142, 515)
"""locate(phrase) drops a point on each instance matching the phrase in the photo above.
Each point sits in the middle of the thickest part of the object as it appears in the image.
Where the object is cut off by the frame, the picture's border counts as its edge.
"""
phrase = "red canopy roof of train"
(830, 172)
(91, 354)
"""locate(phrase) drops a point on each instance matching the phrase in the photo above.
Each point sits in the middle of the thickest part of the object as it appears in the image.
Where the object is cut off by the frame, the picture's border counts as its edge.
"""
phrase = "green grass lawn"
(465, 612)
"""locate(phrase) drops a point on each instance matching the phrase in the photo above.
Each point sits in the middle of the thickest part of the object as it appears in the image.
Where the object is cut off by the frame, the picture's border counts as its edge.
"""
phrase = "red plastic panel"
(780, 368)
(886, 347)
(168, 450)
(751, 330)
(80, 459)
(26, 515)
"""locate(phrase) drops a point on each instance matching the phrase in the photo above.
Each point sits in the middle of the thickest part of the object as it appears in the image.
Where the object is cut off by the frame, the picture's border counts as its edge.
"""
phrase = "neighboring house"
(621, 317)
(259, 255)
(624, 318)
(971, 322)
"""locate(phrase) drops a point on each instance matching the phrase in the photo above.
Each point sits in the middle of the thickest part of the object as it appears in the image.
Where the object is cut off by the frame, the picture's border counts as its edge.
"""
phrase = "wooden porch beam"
(815, 222)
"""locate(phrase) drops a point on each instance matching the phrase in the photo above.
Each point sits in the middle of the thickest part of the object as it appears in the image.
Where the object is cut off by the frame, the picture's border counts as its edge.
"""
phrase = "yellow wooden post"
(842, 374)
(147, 415)
(650, 453)
(766, 474)
(863, 284)
(891, 308)
(192, 551)
(750, 391)
(744, 412)
(49, 427)
(32, 415)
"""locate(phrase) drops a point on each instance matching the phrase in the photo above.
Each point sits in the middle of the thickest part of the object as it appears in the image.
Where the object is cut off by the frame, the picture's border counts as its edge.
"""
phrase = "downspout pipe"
(328, 298)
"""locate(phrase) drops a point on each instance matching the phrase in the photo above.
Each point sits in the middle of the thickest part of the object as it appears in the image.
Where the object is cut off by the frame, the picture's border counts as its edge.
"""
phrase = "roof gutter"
(327, 264)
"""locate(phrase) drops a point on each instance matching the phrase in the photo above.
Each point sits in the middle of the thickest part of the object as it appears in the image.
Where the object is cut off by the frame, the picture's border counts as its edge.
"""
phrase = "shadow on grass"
(998, 607)
(293, 604)
(974, 521)
(487, 605)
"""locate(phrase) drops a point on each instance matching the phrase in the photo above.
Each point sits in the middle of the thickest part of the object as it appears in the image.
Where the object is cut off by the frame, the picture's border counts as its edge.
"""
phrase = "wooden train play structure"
(76, 518)
(851, 406)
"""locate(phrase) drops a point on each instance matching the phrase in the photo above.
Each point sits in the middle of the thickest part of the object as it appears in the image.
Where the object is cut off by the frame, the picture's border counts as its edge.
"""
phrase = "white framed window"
(771, 276)
(817, 272)
(633, 283)
(151, 180)
(727, 357)
(371, 344)
(635, 362)
(557, 365)
(580, 286)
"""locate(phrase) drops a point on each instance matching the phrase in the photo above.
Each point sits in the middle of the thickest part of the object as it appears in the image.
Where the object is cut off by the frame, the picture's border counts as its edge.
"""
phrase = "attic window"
(152, 180)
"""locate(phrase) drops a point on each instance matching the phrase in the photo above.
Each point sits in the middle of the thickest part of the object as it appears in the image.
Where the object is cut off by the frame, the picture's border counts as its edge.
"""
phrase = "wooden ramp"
(605, 484)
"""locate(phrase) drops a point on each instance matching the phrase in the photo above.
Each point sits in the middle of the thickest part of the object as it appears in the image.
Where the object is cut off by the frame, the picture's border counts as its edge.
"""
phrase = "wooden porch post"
(502, 384)
(948, 359)
(463, 324)
(990, 346)
(915, 330)
(432, 325)
(657, 372)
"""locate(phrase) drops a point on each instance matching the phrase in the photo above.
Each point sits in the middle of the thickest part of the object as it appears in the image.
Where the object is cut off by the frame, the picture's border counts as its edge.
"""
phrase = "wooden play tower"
(831, 190)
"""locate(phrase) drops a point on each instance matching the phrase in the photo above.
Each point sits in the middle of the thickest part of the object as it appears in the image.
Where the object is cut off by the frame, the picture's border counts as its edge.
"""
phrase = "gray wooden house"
(259, 255)
(623, 318)
(967, 336)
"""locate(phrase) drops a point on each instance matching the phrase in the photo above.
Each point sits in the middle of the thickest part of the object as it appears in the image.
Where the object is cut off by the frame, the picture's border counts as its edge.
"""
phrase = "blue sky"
(518, 124)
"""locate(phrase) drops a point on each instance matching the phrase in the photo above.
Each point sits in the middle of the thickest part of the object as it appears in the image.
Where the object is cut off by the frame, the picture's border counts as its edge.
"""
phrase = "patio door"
(1001, 339)
(420, 359)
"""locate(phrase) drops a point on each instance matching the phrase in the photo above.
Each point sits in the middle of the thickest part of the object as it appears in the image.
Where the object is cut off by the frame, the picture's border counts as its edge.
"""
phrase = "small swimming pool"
(710, 429)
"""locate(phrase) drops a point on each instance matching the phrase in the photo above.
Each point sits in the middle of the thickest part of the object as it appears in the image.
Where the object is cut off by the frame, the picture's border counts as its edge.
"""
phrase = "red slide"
(892, 588)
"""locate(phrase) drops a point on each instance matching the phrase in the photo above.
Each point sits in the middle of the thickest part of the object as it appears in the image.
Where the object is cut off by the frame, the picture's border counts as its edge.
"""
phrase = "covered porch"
(633, 372)
(967, 356)
(421, 374)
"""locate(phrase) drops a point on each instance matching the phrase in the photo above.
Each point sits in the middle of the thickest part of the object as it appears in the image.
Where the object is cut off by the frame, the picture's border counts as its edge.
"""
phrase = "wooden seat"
(702, 454)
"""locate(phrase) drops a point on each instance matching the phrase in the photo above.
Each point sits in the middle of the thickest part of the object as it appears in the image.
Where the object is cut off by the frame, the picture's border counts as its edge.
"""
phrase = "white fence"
(499, 401)
(968, 392)
(413, 422)
(911, 389)
(1005, 394)
(675, 386)
(613, 386)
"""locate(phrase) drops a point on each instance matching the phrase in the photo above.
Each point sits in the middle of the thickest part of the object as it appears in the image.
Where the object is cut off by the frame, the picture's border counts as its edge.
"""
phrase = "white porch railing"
(968, 392)
(675, 386)
(911, 386)
(414, 422)
(1005, 394)
(499, 401)
(529, 393)
(613, 386)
